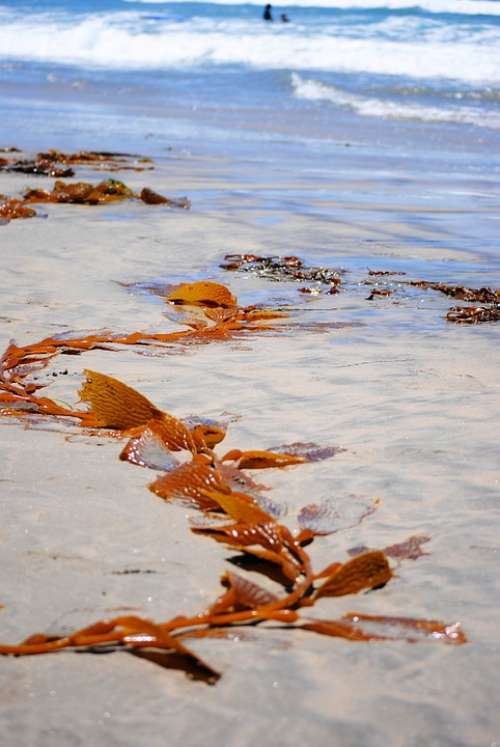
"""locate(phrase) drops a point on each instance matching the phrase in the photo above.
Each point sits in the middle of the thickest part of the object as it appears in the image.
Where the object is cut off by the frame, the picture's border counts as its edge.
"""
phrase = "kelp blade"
(240, 507)
(262, 459)
(241, 594)
(192, 483)
(202, 293)
(368, 571)
(115, 404)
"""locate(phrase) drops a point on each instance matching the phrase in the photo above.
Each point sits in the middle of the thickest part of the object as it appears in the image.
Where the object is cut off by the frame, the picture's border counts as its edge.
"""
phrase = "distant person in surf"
(284, 18)
(267, 15)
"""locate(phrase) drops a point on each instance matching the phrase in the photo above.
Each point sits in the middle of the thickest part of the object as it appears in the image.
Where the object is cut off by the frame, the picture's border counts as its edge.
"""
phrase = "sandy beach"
(410, 397)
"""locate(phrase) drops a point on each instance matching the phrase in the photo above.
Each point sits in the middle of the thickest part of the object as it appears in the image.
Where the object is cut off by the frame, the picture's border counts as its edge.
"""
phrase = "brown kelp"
(99, 159)
(78, 193)
(284, 268)
(327, 280)
(58, 164)
(232, 508)
(483, 295)
(474, 314)
(242, 523)
(109, 190)
(11, 209)
(459, 314)
(208, 310)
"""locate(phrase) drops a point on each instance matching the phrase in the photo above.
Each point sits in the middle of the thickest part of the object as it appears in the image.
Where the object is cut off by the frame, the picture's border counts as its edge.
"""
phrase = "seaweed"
(261, 459)
(309, 451)
(36, 167)
(331, 516)
(233, 511)
(208, 309)
(411, 630)
(483, 295)
(242, 523)
(11, 209)
(284, 268)
(190, 482)
(153, 198)
(203, 293)
(105, 160)
(466, 314)
(81, 193)
(473, 314)
(59, 165)
(293, 268)
(244, 602)
(56, 163)
(109, 190)
(409, 549)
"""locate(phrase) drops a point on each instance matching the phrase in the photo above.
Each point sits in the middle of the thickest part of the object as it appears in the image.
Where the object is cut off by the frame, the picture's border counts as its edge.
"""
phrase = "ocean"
(339, 69)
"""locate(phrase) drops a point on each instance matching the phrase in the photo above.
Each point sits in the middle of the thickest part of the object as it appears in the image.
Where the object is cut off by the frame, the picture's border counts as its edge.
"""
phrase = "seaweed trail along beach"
(286, 237)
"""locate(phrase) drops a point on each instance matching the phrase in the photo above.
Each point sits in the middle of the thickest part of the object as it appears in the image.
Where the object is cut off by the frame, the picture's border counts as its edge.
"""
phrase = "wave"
(125, 41)
(456, 7)
(314, 90)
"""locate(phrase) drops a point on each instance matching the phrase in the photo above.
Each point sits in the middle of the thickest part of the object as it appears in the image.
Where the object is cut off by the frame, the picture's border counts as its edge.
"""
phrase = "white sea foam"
(127, 41)
(315, 90)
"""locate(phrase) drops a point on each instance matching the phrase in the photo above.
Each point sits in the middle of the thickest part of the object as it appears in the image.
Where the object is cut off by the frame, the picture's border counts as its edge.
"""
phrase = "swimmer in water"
(267, 15)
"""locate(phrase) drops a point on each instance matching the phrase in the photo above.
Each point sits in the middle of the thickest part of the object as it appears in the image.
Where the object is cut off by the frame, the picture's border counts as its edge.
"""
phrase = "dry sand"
(413, 399)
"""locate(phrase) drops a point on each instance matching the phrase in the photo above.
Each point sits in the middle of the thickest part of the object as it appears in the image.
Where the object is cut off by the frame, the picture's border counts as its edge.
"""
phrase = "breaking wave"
(314, 90)
(131, 40)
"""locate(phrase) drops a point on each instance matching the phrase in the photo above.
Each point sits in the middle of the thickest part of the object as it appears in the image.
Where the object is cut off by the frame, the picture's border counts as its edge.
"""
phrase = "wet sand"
(411, 398)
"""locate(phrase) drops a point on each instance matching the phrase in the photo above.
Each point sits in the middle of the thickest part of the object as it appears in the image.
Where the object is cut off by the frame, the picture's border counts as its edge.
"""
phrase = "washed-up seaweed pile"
(83, 193)
(233, 509)
(284, 268)
(292, 268)
(60, 165)
(467, 314)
